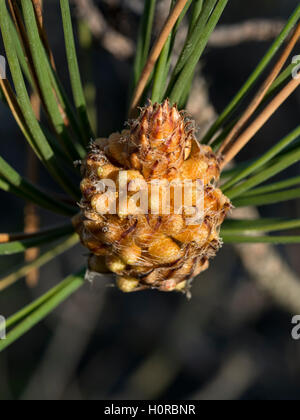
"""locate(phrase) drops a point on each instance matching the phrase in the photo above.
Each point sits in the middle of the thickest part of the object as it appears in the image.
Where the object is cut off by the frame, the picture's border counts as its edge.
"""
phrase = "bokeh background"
(232, 340)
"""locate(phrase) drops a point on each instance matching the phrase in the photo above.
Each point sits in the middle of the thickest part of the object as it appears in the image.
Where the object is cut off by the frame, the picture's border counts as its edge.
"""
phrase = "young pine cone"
(137, 220)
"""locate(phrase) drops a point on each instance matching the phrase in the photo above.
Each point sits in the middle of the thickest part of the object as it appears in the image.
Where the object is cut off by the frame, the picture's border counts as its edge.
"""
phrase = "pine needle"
(155, 52)
(262, 91)
(249, 133)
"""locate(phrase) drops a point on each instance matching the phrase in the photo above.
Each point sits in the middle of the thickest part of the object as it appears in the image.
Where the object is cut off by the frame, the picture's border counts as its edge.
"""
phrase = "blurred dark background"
(232, 340)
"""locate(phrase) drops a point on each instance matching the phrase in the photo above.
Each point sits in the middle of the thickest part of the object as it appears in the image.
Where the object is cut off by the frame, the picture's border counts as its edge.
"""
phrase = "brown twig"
(247, 31)
(4, 238)
(155, 52)
(31, 216)
(262, 91)
(122, 46)
(112, 40)
(32, 222)
(231, 151)
(11, 237)
(38, 9)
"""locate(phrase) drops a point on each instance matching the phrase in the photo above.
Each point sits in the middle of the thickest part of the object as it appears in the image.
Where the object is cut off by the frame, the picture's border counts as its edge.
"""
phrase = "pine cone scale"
(151, 250)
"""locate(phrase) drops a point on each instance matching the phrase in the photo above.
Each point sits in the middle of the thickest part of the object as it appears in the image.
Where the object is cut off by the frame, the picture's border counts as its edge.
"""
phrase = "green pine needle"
(23, 269)
(243, 92)
(38, 310)
(77, 88)
(40, 238)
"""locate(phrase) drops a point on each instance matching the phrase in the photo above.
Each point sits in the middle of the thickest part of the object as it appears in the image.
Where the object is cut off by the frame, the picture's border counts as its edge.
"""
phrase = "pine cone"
(154, 248)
